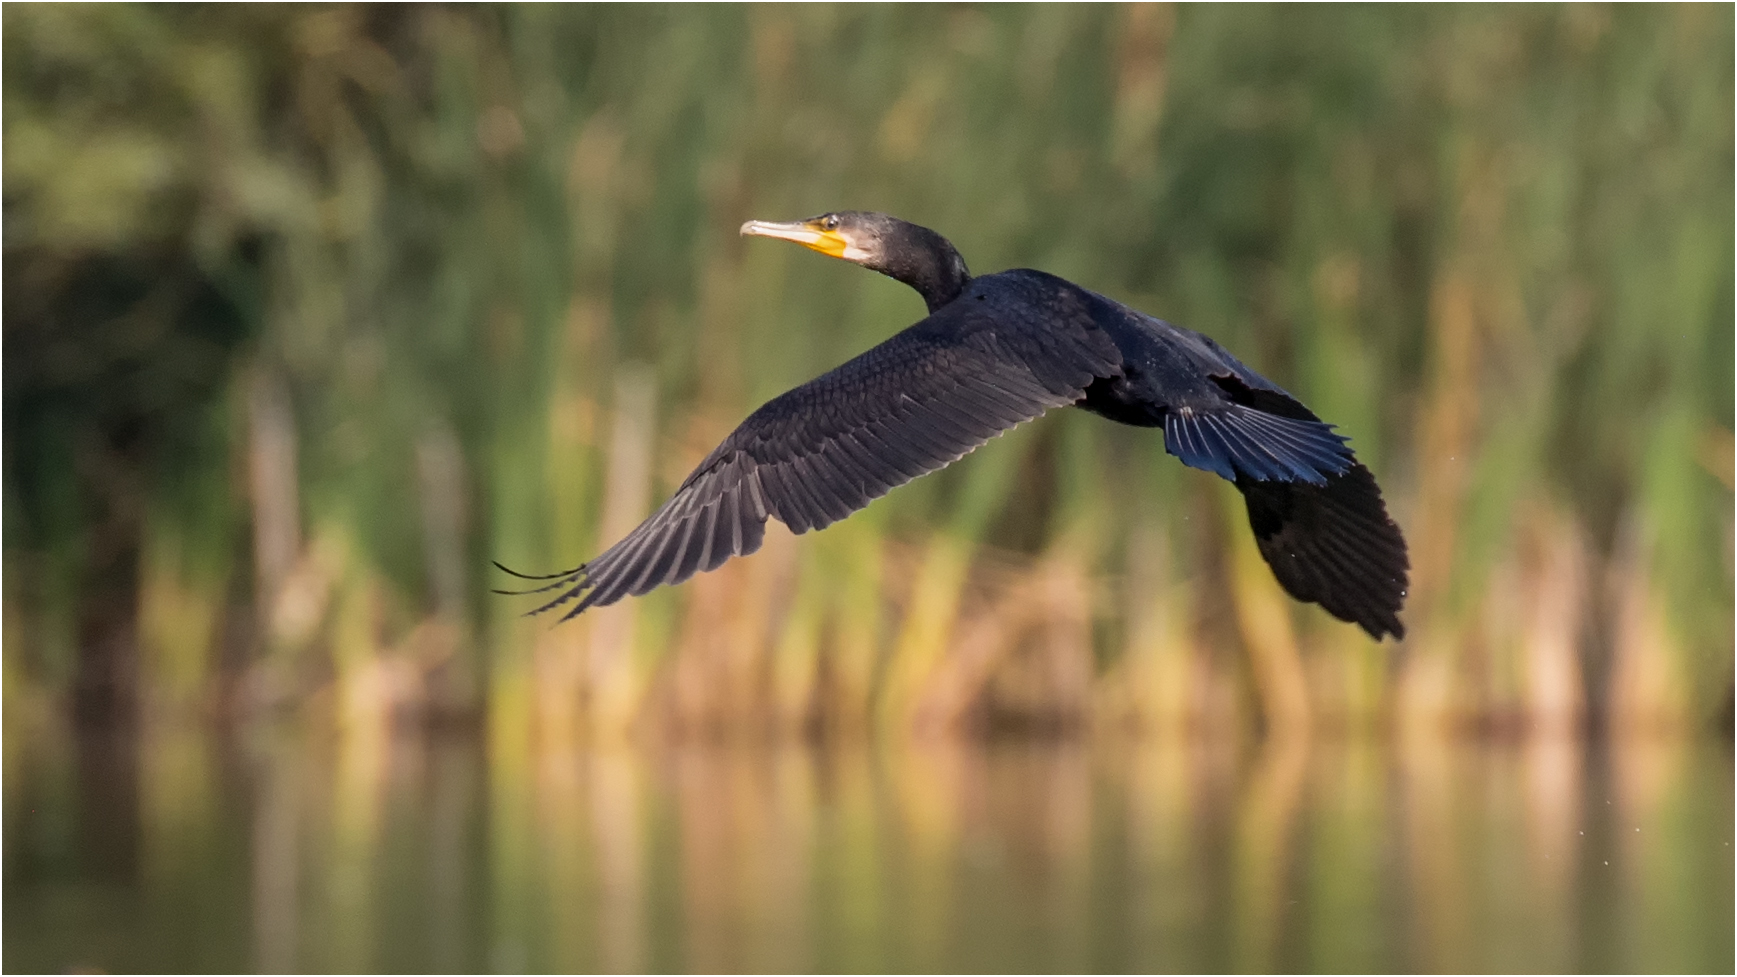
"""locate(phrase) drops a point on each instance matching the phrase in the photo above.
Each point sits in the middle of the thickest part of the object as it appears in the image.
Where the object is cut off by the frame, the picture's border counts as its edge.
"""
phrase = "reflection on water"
(293, 848)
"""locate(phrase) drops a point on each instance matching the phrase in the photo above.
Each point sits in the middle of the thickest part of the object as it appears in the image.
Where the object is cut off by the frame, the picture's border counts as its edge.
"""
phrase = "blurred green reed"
(312, 311)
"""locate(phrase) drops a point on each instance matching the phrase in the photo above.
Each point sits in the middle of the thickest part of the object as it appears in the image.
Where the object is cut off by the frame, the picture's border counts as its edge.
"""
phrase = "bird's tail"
(1333, 545)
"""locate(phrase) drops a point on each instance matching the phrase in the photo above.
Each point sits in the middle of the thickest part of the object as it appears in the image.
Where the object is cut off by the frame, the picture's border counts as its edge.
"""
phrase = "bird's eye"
(830, 222)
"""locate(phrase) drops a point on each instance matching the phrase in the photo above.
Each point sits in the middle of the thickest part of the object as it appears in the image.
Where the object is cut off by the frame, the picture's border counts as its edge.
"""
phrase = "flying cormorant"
(994, 352)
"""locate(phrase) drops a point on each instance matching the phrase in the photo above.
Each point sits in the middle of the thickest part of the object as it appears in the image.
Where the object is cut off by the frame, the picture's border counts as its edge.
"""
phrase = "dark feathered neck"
(924, 260)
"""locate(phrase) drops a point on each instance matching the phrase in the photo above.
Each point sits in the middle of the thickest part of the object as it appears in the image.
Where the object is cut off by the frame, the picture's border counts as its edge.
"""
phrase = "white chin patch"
(854, 253)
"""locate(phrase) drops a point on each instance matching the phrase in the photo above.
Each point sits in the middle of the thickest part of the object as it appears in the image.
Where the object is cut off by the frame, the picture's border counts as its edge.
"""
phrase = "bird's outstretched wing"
(1316, 512)
(814, 455)
(1325, 532)
(1333, 544)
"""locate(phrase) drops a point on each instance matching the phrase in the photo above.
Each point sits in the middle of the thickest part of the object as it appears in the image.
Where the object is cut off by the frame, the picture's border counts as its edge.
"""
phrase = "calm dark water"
(295, 848)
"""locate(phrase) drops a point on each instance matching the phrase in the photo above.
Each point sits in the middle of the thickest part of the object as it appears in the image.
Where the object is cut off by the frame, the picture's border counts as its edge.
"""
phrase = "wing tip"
(572, 583)
(1335, 546)
(1386, 627)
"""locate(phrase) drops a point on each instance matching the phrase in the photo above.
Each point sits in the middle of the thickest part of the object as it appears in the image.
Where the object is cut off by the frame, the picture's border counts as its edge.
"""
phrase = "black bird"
(994, 352)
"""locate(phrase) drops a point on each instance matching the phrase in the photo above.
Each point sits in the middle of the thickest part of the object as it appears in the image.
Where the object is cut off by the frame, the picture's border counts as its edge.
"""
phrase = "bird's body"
(994, 352)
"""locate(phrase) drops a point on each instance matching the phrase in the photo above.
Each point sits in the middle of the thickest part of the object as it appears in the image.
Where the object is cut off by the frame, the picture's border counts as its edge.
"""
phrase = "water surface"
(295, 848)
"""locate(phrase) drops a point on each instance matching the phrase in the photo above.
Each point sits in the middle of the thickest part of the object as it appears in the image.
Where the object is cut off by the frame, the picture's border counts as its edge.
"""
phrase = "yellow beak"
(829, 243)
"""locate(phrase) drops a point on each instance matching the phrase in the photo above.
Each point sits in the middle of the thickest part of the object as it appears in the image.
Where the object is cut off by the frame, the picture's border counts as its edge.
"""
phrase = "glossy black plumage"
(994, 352)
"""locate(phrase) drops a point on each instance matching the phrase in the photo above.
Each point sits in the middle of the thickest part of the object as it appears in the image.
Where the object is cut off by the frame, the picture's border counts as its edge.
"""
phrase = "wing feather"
(1333, 544)
(695, 547)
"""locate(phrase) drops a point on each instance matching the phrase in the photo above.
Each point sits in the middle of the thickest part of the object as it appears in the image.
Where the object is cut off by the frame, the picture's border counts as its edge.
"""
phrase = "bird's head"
(915, 255)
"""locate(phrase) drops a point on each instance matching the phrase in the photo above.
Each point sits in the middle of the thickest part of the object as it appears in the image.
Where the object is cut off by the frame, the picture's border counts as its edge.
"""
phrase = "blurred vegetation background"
(312, 311)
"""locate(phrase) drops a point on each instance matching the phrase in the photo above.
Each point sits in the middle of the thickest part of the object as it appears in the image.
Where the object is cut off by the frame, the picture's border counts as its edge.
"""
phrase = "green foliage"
(477, 218)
